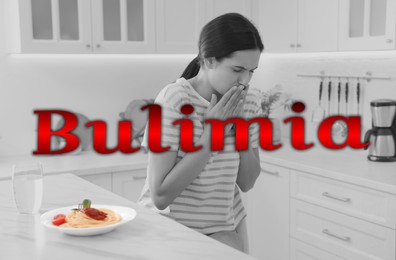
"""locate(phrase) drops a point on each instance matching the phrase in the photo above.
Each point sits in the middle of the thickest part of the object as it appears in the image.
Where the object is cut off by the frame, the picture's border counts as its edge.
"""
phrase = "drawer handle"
(327, 232)
(270, 172)
(326, 194)
(137, 178)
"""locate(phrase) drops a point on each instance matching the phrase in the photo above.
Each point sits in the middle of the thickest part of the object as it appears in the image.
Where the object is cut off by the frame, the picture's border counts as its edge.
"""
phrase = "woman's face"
(233, 71)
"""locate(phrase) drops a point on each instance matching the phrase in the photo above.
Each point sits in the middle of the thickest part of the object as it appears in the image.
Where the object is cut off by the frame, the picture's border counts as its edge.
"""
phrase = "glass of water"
(27, 181)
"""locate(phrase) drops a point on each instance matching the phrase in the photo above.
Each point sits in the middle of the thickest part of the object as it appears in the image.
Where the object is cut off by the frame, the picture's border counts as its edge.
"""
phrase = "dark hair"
(221, 37)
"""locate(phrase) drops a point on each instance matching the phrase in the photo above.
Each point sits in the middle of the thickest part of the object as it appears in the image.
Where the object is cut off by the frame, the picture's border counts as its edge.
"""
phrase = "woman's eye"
(252, 71)
(237, 70)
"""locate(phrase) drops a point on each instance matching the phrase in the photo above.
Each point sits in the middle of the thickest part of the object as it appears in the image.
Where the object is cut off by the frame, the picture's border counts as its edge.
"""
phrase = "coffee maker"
(382, 136)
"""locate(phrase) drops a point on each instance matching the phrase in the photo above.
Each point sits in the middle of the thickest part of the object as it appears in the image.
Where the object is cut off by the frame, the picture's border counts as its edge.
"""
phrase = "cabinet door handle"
(327, 232)
(88, 45)
(137, 178)
(97, 45)
(292, 45)
(326, 194)
(389, 40)
(298, 45)
(270, 172)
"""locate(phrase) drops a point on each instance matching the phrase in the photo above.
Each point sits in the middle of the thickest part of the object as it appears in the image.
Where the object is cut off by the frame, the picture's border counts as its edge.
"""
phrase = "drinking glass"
(27, 181)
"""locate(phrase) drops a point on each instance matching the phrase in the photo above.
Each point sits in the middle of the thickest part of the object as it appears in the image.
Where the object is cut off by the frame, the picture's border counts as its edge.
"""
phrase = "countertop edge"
(335, 175)
(80, 165)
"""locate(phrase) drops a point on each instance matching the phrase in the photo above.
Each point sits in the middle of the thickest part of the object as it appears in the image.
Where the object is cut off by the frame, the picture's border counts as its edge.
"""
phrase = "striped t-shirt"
(212, 202)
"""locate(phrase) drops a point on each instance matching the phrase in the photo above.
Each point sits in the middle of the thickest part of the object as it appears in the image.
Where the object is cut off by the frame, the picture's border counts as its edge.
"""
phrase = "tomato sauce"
(95, 213)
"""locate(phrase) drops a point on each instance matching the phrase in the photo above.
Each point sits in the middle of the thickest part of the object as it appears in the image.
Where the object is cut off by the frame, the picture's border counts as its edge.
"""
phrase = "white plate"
(127, 214)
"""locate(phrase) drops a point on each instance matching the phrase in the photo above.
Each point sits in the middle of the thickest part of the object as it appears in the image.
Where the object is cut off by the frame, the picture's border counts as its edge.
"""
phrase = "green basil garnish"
(86, 204)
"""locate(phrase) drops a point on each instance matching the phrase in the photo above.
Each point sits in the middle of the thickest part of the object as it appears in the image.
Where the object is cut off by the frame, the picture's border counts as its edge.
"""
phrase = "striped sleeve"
(170, 99)
(252, 109)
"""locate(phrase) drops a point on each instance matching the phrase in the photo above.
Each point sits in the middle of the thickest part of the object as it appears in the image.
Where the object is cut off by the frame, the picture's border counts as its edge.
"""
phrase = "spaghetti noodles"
(78, 219)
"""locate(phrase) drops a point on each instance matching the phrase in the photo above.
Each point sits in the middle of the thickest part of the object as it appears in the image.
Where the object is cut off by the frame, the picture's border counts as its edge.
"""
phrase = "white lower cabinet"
(302, 251)
(103, 180)
(126, 183)
(303, 216)
(129, 184)
(268, 214)
(340, 234)
(371, 205)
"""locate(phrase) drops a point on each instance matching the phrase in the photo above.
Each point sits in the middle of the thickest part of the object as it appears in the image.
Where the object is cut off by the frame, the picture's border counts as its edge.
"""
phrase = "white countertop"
(148, 236)
(348, 165)
(84, 163)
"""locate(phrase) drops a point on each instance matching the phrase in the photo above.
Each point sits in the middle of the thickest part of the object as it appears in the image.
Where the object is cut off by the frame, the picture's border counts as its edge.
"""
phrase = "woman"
(202, 189)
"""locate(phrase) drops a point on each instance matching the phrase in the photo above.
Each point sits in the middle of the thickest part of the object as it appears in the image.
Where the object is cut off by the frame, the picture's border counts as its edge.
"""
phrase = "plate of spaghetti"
(87, 219)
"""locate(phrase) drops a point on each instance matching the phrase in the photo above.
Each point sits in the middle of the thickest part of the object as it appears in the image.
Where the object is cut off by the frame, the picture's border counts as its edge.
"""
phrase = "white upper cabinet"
(367, 25)
(178, 24)
(317, 25)
(298, 25)
(215, 8)
(277, 24)
(81, 26)
(49, 26)
(123, 26)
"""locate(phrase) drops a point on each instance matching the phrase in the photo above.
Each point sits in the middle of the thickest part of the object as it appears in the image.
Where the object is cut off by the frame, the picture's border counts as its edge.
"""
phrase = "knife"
(358, 96)
(329, 95)
(339, 97)
(346, 98)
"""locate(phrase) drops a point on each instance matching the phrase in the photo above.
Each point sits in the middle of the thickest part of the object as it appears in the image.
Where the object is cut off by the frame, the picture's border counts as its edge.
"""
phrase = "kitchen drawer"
(340, 234)
(274, 170)
(302, 251)
(374, 206)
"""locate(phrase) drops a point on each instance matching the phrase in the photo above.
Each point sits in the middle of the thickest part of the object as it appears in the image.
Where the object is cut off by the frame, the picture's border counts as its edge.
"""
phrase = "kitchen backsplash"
(100, 86)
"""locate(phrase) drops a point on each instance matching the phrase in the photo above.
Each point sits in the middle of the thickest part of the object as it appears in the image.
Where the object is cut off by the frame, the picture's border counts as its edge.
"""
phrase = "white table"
(148, 236)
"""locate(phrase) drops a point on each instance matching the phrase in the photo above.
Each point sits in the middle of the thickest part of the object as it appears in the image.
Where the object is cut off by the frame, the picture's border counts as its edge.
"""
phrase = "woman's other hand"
(230, 105)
